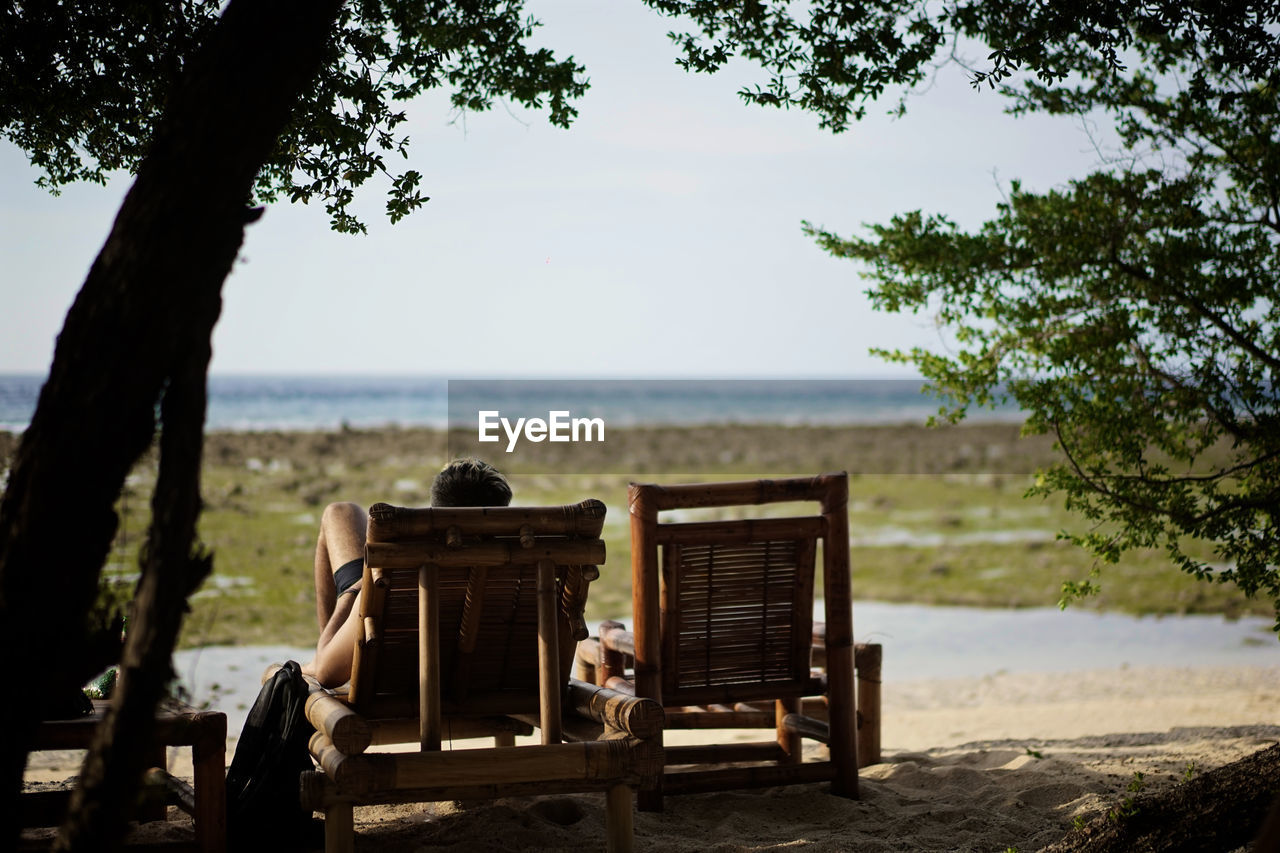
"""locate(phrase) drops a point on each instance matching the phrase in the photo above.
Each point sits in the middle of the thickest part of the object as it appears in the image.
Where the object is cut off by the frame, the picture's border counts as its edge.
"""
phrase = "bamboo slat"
(339, 828)
(671, 615)
(486, 791)
(810, 706)
(572, 729)
(429, 657)
(719, 720)
(348, 730)
(838, 599)
(740, 532)
(724, 753)
(399, 555)
(364, 656)
(359, 775)
(315, 791)
(548, 653)
(621, 685)
(406, 729)
(615, 637)
(390, 522)
(474, 603)
(342, 769)
(477, 704)
(573, 605)
(868, 657)
(48, 807)
(615, 646)
(620, 830)
(808, 727)
(585, 660)
(176, 791)
(789, 737)
(802, 606)
(702, 781)
(639, 717)
(208, 763)
(469, 630)
(172, 727)
(751, 492)
(735, 692)
(44, 808)
(646, 605)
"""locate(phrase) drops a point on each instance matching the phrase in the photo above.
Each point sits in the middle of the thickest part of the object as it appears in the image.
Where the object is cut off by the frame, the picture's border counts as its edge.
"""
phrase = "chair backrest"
(474, 574)
(724, 609)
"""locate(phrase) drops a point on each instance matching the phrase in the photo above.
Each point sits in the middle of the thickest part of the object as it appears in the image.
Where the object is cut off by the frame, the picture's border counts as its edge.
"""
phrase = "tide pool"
(920, 642)
(940, 642)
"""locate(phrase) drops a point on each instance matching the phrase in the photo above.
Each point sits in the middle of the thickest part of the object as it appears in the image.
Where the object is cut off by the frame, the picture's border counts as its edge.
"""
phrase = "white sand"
(970, 764)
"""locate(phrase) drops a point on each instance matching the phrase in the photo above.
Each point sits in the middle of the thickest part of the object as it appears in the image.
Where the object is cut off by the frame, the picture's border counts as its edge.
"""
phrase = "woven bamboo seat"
(470, 616)
(725, 637)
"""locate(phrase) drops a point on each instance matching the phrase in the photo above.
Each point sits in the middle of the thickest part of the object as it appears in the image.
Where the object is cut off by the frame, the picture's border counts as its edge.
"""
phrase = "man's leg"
(341, 540)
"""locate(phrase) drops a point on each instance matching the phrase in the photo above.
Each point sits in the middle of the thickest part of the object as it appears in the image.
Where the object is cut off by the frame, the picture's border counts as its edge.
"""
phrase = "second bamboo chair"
(471, 617)
(725, 637)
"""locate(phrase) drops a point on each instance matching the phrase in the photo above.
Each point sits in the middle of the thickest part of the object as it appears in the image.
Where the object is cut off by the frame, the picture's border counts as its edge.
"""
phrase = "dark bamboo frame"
(454, 603)
(742, 683)
(204, 799)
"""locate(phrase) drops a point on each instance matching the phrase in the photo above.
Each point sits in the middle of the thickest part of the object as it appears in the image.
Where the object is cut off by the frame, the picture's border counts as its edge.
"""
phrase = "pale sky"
(658, 237)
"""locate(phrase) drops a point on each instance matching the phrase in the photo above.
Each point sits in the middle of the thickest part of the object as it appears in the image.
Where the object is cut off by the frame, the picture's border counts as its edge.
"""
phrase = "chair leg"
(650, 801)
(868, 660)
(157, 756)
(339, 828)
(618, 819)
(504, 739)
(208, 756)
(791, 742)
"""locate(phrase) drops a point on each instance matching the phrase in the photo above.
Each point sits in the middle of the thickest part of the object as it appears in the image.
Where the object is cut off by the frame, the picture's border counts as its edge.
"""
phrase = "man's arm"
(332, 663)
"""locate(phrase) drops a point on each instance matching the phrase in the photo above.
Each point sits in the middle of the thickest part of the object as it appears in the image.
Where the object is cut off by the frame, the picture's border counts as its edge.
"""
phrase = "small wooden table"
(177, 724)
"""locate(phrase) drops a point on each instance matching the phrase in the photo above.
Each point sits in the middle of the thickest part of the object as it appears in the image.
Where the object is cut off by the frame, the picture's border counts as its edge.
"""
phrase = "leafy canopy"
(82, 84)
(1133, 313)
(832, 57)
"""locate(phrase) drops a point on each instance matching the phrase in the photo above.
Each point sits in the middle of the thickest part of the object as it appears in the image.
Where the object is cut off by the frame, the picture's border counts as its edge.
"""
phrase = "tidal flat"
(936, 515)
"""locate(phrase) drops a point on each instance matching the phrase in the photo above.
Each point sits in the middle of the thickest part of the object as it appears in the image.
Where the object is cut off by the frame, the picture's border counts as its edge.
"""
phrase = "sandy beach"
(1005, 761)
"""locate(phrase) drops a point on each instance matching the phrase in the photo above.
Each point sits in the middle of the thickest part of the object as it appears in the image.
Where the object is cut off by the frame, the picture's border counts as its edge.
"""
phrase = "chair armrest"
(585, 658)
(635, 715)
(618, 640)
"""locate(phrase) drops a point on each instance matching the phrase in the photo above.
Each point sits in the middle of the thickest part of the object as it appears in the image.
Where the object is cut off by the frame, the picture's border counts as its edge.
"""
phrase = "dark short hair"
(470, 482)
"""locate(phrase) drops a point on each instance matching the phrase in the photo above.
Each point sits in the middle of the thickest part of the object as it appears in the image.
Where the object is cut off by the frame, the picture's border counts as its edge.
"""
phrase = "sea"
(253, 403)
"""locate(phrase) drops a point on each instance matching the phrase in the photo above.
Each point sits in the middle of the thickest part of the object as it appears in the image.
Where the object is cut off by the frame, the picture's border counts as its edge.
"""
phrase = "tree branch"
(1201, 309)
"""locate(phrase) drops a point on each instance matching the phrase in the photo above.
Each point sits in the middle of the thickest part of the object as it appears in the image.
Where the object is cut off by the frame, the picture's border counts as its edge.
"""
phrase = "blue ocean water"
(330, 402)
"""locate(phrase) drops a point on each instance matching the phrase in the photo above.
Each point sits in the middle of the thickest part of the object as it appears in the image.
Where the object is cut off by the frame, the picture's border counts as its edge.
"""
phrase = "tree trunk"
(1219, 810)
(138, 334)
(170, 572)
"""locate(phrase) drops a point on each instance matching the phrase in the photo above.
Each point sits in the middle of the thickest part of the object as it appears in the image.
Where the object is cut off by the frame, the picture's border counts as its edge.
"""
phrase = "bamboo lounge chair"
(724, 636)
(470, 615)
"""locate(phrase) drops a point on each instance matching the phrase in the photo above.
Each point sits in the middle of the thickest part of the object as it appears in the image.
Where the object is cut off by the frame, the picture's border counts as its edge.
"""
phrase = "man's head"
(470, 482)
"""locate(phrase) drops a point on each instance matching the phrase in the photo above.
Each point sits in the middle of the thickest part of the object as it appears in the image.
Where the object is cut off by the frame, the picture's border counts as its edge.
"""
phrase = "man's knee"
(343, 514)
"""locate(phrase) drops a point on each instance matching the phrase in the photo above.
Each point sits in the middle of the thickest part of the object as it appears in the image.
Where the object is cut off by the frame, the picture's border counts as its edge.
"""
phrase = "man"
(339, 563)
